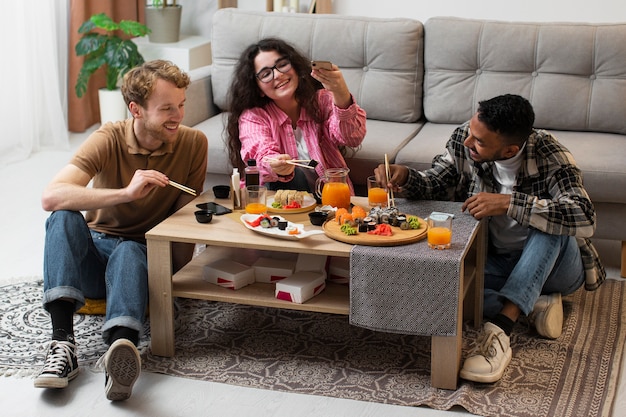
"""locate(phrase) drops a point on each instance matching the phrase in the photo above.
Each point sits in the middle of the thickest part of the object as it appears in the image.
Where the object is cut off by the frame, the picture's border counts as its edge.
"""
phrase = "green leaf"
(90, 43)
(134, 28)
(86, 26)
(89, 67)
(104, 22)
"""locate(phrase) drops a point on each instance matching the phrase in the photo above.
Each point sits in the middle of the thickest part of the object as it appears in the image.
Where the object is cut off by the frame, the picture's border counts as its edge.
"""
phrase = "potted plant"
(108, 50)
(163, 19)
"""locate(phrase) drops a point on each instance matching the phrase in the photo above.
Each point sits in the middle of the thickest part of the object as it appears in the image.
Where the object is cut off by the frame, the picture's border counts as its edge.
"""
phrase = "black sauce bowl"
(204, 216)
(318, 217)
(221, 191)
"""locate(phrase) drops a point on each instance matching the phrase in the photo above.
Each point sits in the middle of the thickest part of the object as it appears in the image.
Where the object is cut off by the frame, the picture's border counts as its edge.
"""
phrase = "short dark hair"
(509, 115)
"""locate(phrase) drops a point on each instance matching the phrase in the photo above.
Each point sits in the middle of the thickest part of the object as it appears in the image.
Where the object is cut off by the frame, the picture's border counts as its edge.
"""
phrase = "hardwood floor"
(21, 247)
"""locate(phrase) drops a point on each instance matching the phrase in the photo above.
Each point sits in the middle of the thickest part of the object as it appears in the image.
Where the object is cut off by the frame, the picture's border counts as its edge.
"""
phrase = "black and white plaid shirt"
(548, 194)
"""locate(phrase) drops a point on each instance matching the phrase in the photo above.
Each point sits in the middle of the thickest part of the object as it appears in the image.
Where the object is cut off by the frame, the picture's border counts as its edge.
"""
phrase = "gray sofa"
(417, 82)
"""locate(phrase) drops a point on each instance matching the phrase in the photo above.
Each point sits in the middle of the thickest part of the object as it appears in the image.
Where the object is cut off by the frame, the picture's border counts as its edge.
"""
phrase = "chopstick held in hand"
(182, 188)
(310, 163)
(390, 199)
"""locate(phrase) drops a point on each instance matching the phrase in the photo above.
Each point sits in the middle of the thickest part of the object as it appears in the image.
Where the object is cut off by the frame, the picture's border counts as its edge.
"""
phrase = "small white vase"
(112, 106)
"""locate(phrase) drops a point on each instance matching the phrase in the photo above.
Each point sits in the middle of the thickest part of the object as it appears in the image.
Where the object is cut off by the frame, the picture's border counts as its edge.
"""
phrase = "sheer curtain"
(33, 40)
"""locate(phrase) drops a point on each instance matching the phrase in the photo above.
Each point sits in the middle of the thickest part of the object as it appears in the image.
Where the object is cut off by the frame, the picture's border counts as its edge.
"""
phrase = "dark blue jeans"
(81, 263)
(546, 265)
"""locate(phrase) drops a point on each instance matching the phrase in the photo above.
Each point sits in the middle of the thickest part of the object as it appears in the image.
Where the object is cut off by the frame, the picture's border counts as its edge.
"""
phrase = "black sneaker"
(122, 365)
(61, 365)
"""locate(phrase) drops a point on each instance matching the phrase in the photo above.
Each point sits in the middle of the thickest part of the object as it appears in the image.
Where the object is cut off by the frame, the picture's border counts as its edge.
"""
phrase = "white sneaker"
(490, 357)
(547, 315)
(122, 364)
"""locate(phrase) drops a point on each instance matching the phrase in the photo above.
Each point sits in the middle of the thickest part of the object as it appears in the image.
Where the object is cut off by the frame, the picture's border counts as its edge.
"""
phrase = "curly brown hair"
(245, 94)
(139, 82)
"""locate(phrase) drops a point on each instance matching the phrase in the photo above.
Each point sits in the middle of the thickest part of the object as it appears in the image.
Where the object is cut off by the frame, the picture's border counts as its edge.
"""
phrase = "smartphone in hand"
(327, 65)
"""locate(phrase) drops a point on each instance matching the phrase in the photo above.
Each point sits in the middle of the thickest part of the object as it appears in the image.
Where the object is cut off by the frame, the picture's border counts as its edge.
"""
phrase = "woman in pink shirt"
(281, 109)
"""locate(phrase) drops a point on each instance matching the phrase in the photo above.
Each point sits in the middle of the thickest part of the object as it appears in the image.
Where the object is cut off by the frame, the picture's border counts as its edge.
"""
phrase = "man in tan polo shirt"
(102, 254)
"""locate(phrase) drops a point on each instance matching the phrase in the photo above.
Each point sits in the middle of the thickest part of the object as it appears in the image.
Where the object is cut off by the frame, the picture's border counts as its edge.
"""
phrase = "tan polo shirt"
(111, 155)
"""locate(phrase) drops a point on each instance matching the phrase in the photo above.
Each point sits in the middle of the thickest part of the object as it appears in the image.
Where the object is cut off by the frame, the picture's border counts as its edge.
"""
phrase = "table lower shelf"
(188, 283)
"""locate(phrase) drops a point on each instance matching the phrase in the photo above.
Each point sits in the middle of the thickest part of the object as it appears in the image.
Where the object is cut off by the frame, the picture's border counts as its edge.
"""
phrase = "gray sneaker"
(60, 367)
(122, 364)
(547, 316)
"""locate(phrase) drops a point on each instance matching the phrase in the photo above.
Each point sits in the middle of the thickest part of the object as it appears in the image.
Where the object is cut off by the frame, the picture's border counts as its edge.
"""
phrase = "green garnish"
(348, 230)
(414, 222)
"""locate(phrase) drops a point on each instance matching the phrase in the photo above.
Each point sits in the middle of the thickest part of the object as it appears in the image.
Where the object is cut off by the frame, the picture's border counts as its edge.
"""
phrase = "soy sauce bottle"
(252, 173)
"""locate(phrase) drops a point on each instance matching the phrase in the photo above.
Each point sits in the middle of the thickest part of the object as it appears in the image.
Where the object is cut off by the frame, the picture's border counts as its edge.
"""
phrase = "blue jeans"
(81, 263)
(547, 264)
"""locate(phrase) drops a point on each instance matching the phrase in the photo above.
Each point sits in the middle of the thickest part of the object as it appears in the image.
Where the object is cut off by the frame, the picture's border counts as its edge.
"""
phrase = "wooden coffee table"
(226, 237)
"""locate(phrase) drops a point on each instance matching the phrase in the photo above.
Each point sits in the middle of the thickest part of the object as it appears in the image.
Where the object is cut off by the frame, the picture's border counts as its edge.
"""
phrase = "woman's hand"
(280, 167)
(333, 81)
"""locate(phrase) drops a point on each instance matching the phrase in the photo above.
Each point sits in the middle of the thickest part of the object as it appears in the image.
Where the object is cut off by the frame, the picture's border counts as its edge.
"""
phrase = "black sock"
(62, 316)
(503, 322)
(121, 332)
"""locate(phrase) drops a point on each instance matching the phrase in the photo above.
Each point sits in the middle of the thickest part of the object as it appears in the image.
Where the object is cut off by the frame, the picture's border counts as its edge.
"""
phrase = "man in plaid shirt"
(540, 220)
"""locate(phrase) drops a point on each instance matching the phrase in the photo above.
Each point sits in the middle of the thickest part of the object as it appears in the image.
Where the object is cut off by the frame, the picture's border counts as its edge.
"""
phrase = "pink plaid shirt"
(267, 132)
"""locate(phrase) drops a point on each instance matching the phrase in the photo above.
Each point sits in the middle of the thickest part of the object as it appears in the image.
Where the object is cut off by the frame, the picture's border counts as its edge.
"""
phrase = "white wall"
(596, 11)
(198, 14)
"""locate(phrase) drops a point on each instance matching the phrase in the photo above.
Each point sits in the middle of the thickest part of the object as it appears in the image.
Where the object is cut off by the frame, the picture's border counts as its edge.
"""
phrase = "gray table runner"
(410, 289)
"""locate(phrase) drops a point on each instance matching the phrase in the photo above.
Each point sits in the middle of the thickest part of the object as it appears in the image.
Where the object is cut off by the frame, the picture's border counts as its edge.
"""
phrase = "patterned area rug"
(322, 354)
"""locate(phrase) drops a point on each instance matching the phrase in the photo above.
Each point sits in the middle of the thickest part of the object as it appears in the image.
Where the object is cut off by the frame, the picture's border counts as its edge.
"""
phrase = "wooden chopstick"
(290, 161)
(390, 199)
(182, 187)
(295, 162)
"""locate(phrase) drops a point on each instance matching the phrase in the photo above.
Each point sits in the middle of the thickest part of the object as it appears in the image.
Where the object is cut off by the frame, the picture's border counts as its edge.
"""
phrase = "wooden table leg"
(623, 260)
(445, 354)
(446, 351)
(160, 297)
(445, 360)
(480, 243)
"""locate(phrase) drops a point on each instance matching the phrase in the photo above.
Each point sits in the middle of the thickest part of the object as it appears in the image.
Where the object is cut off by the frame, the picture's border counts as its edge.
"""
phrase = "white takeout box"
(270, 270)
(301, 286)
(228, 274)
(339, 270)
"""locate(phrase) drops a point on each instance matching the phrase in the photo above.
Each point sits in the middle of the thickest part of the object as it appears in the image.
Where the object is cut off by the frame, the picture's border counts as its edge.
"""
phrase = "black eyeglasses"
(267, 74)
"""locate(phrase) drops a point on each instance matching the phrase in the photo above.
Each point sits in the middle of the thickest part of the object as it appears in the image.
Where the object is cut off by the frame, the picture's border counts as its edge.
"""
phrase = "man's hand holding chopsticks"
(144, 181)
(398, 176)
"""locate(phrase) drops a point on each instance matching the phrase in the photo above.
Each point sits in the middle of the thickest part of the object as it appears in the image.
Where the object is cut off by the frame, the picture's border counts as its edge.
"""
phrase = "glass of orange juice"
(439, 231)
(256, 196)
(376, 195)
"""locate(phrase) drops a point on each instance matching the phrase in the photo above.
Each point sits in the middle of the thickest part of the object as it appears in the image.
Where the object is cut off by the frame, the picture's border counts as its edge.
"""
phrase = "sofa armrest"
(199, 105)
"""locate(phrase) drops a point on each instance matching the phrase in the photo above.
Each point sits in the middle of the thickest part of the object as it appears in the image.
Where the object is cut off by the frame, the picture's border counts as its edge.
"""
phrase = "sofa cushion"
(601, 158)
(381, 59)
(218, 161)
(430, 141)
(381, 138)
(573, 74)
